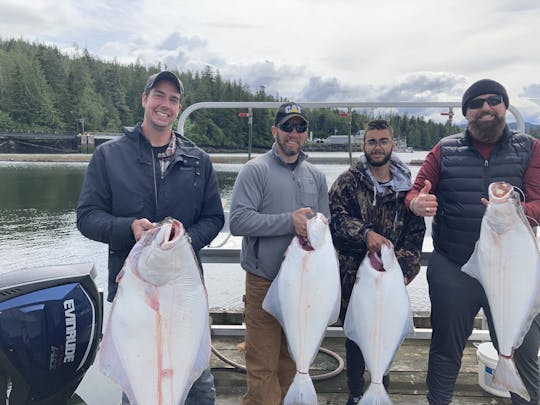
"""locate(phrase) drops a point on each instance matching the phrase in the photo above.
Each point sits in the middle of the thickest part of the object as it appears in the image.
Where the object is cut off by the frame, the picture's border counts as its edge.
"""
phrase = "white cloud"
(308, 49)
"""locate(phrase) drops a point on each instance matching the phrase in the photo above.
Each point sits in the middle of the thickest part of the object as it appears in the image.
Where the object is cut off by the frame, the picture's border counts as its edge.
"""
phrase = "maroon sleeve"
(531, 184)
(430, 170)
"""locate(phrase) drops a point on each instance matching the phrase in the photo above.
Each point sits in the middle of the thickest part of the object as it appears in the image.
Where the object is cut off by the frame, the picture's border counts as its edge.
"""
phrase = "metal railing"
(349, 105)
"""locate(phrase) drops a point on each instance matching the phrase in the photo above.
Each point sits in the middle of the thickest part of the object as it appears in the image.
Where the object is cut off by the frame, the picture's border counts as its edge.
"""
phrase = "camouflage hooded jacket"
(357, 203)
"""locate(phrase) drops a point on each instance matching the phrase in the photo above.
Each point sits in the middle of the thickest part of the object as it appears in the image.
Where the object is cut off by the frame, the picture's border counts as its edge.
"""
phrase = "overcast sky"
(311, 50)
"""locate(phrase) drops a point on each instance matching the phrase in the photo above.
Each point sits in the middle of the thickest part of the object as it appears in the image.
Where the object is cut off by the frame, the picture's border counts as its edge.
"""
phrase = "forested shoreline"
(44, 90)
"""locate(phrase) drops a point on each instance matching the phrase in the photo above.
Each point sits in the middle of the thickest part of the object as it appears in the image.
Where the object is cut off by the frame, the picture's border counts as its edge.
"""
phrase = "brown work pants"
(270, 369)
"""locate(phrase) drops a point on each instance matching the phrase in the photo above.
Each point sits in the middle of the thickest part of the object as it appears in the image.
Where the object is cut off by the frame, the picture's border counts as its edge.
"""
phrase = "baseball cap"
(287, 111)
(163, 75)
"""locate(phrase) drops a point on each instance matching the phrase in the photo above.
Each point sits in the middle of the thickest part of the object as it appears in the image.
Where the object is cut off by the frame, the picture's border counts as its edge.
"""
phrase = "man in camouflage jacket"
(367, 210)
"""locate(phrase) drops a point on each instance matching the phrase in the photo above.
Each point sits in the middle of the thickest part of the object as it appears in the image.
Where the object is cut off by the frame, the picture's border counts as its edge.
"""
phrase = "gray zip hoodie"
(265, 194)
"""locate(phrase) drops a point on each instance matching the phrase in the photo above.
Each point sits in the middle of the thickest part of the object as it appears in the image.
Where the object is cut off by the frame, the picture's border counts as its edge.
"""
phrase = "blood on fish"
(151, 298)
(375, 262)
(159, 347)
(304, 242)
(167, 373)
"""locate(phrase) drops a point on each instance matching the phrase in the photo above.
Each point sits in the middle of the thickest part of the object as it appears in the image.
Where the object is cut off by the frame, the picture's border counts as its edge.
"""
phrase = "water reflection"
(38, 222)
(37, 225)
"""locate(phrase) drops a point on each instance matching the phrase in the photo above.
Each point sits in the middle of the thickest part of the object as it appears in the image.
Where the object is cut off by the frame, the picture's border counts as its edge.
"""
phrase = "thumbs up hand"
(425, 204)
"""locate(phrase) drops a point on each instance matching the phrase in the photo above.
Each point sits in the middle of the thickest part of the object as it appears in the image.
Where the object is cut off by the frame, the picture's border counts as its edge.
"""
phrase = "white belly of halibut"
(378, 318)
(506, 261)
(305, 299)
(157, 340)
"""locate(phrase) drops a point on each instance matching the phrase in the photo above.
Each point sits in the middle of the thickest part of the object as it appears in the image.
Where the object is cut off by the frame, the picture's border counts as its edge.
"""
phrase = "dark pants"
(456, 298)
(355, 369)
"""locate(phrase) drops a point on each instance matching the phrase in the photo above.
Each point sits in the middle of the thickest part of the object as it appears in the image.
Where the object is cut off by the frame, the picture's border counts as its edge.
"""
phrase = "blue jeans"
(202, 392)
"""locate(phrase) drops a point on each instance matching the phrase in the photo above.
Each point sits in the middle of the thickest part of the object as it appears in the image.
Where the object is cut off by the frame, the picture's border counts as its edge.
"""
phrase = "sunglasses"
(479, 102)
(288, 127)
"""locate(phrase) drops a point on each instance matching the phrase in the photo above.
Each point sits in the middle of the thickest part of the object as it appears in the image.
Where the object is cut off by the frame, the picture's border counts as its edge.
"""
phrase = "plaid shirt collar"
(171, 148)
(166, 156)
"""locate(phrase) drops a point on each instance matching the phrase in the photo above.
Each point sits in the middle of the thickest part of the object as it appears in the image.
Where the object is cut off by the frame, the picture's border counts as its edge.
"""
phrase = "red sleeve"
(531, 184)
(430, 170)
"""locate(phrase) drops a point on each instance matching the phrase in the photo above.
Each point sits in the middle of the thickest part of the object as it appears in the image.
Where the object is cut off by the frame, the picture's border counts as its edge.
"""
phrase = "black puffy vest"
(464, 179)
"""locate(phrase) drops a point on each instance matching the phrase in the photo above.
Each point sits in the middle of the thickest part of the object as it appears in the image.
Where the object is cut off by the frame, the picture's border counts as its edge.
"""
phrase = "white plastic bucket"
(487, 361)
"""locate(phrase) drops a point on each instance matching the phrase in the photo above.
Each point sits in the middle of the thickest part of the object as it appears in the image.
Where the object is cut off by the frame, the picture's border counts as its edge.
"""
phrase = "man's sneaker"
(353, 400)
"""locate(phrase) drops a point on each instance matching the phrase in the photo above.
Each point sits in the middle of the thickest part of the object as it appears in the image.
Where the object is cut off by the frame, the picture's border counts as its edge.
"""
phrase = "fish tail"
(301, 391)
(375, 395)
(507, 376)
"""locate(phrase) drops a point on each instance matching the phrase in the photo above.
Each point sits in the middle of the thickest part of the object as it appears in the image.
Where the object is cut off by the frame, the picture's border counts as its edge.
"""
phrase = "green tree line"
(44, 90)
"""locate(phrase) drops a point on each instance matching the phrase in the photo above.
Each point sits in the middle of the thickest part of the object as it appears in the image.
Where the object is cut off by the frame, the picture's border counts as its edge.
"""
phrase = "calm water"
(37, 225)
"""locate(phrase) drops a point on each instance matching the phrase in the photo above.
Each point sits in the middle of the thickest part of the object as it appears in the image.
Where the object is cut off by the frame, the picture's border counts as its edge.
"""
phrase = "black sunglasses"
(288, 127)
(479, 102)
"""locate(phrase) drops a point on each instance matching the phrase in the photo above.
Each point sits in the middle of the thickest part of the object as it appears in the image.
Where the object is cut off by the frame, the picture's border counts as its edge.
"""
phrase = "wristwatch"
(365, 233)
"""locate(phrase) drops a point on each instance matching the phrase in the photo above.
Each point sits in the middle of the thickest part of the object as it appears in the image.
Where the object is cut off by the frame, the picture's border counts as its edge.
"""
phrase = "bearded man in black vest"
(449, 187)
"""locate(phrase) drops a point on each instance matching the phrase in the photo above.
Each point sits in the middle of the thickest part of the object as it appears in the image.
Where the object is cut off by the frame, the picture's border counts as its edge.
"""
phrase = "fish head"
(500, 192)
(157, 255)
(375, 261)
(503, 205)
(317, 230)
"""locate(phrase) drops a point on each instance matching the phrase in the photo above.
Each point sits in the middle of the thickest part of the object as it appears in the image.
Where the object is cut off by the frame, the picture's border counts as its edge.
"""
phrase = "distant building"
(356, 139)
(339, 139)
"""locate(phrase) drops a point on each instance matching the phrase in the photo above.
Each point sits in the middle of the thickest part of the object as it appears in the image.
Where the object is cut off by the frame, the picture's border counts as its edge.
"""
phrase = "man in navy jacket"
(148, 174)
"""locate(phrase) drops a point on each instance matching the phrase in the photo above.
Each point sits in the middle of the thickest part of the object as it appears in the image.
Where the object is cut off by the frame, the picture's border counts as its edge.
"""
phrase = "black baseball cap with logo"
(287, 111)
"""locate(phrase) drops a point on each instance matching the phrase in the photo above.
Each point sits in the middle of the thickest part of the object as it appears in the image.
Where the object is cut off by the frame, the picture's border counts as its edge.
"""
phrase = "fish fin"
(334, 316)
(375, 394)
(349, 327)
(271, 302)
(110, 364)
(409, 327)
(472, 267)
(301, 391)
(202, 361)
(120, 274)
(507, 376)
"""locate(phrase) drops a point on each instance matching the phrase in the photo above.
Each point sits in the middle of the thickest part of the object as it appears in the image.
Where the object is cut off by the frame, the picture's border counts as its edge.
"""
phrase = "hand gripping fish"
(157, 340)
(305, 298)
(506, 261)
(378, 318)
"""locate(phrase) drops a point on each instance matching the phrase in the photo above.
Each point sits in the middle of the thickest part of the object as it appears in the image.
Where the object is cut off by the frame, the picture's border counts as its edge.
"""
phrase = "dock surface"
(407, 376)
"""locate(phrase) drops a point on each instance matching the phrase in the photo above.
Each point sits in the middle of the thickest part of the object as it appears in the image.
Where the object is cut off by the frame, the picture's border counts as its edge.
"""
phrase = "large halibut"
(305, 298)
(378, 318)
(157, 339)
(506, 261)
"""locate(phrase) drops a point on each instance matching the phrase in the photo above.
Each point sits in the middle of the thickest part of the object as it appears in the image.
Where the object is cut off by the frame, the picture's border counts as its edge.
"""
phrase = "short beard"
(286, 151)
(378, 163)
(488, 131)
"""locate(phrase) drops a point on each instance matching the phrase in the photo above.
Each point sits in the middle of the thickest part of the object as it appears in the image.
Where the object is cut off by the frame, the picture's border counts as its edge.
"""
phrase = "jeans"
(202, 392)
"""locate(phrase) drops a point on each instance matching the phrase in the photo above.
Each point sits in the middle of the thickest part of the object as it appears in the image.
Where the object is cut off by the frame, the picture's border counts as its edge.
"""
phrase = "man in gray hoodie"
(273, 197)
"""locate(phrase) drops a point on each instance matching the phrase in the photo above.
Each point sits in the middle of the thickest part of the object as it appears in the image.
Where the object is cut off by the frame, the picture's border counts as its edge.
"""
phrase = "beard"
(378, 163)
(487, 131)
(281, 141)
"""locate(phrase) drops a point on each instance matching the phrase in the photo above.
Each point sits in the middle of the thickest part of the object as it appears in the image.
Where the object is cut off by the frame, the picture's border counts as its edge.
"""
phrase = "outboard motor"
(50, 328)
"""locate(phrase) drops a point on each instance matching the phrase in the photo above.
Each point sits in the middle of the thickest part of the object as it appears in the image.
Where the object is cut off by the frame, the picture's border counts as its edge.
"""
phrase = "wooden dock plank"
(408, 374)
